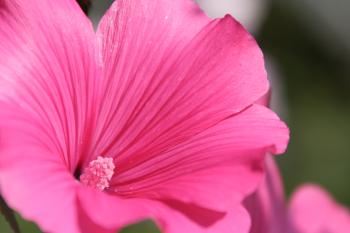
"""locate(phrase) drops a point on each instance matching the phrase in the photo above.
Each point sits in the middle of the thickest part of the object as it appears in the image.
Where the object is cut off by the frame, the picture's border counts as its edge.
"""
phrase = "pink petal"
(313, 210)
(168, 75)
(106, 214)
(213, 169)
(237, 221)
(47, 74)
(36, 184)
(265, 99)
(46, 87)
(267, 205)
(103, 213)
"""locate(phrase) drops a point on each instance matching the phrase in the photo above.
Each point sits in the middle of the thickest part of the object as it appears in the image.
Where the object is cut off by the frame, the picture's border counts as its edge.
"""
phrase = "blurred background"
(307, 49)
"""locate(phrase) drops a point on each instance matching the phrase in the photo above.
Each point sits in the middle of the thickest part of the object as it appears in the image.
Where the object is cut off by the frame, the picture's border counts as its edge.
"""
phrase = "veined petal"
(169, 75)
(47, 76)
(214, 168)
(107, 214)
(236, 220)
(104, 213)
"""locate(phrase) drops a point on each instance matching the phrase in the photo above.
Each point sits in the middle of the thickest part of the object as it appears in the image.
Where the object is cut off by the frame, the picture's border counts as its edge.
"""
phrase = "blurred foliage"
(9, 215)
(26, 227)
(317, 85)
(144, 227)
(85, 5)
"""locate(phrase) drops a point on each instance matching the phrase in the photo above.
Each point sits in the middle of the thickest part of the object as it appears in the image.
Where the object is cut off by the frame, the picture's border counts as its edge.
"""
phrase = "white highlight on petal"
(98, 173)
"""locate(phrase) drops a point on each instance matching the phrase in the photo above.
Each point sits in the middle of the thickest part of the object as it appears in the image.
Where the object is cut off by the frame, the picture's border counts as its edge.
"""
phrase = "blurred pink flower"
(154, 114)
(311, 209)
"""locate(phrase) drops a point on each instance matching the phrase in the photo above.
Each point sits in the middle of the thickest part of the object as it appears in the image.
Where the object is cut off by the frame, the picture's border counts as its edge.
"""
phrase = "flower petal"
(100, 212)
(47, 74)
(236, 220)
(46, 87)
(267, 205)
(106, 214)
(313, 210)
(169, 75)
(36, 184)
(214, 168)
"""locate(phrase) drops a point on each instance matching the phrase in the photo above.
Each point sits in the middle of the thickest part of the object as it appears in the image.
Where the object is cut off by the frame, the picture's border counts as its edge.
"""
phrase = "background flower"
(310, 210)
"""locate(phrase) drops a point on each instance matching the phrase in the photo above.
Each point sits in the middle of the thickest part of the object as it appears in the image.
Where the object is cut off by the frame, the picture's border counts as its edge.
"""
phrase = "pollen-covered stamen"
(98, 173)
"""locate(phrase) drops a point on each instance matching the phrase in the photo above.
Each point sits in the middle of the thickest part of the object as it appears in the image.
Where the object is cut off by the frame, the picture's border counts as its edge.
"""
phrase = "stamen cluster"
(98, 173)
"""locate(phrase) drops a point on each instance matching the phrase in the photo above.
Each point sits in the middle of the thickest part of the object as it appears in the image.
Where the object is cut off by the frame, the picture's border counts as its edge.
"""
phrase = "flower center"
(98, 173)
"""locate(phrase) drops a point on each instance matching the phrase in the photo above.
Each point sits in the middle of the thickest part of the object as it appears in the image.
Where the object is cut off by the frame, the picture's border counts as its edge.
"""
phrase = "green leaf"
(9, 215)
(147, 226)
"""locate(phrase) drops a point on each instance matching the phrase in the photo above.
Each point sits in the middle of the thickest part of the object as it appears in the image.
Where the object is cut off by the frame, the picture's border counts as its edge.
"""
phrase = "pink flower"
(311, 209)
(152, 116)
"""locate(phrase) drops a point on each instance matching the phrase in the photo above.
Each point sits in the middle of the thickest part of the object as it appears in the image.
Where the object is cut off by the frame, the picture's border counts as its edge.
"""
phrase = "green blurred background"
(307, 48)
